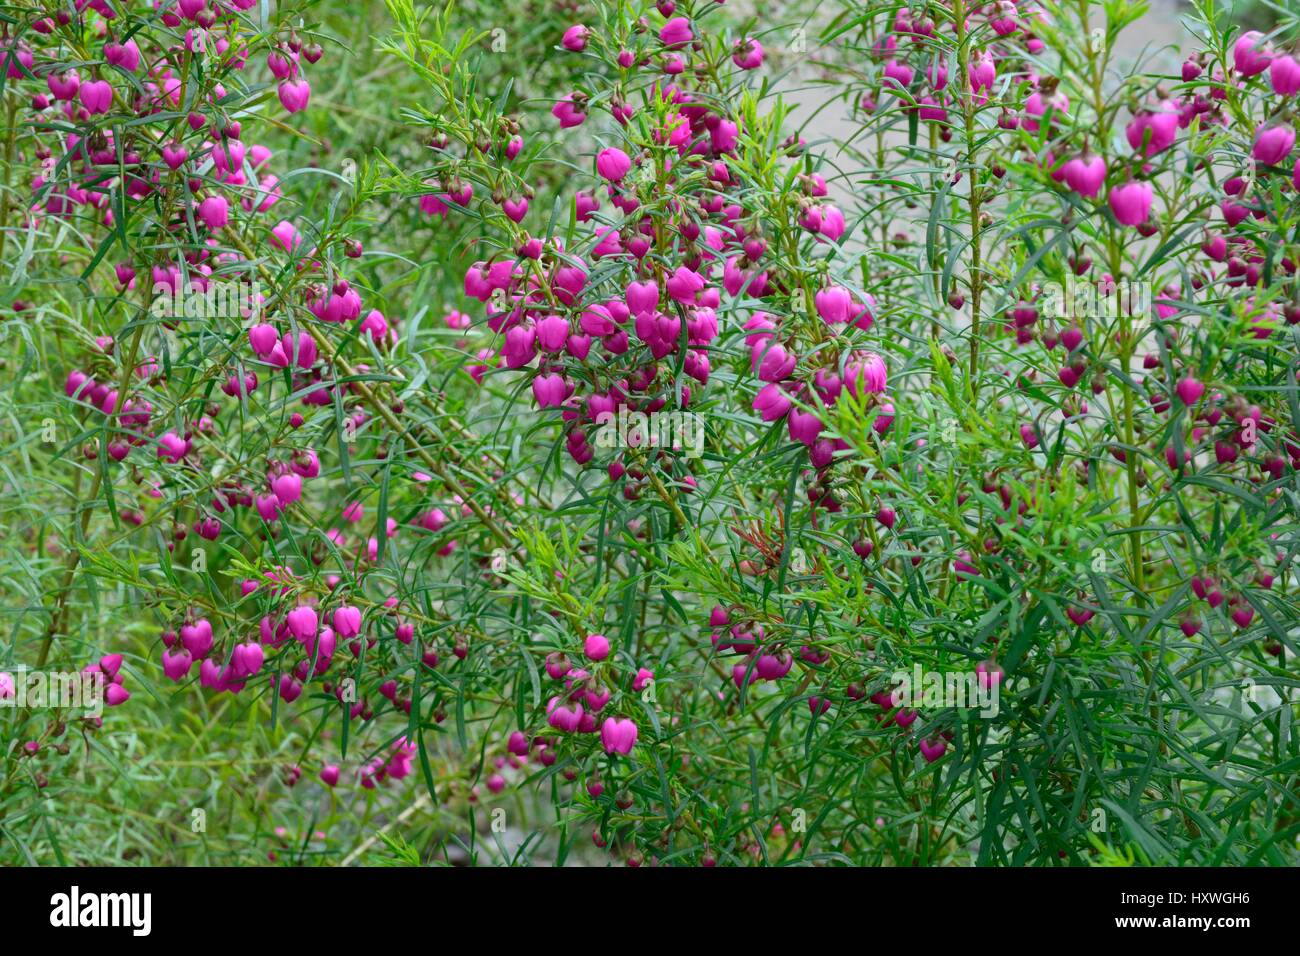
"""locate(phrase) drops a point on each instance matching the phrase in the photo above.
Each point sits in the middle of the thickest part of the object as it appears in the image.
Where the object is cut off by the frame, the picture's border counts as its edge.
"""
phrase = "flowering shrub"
(518, 432)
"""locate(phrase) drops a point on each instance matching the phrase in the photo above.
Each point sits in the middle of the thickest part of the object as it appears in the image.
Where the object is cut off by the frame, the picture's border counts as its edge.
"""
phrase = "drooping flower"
(618, 735)
(1085, 174)
(1273, 144)
(676, 32)
(1131, 202)
(294, 94)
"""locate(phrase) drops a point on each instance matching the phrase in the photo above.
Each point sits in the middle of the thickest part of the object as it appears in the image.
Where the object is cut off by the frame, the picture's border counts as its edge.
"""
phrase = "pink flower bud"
(613, 164)
(676, 32)
(596, 647)
(575, 38)
(1273, 144)
(1249, 56)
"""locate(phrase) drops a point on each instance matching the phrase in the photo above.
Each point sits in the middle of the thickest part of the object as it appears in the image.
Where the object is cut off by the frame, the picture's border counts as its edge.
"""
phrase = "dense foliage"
(664, 434)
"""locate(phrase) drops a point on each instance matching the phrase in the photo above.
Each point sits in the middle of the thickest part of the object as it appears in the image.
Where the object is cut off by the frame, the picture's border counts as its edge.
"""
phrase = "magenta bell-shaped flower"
(302, 622)
(294, 95)
(771, 402)
(618, 736)
(1251, 57)
(1131, 202)
(1273, 144)
(176, 663)
(1085, 174)
(347, 621)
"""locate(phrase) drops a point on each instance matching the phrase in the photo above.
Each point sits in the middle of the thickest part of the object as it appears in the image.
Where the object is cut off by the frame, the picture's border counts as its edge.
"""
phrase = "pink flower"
(568, 113)
(302, 622)
(899, 72)
(290, 689)
(96, 96)
(176, 663)
(63, 86)
(1249, 56)
(833, 304)
(989, 673)
(215, 212)
(563, 717)
(126, 55)
(286, 236)
(1273, 144)
(933, 749)
(551, 390)
(197, 638)
(172, 447)
(347, 621)
(983, 71)
(772, 362)
(613, 164)
(282, 64)
(618, 736)
(771, 402)
(552, 332)
(805, 427)
(287, 488)
(865, 373)
(1085, 174)
(1157, 128)
(963, 567)
(575, 38)
(684, 285)
(1284, 73)
(246, 659)
(596, 647)
(294, 95)
(747, 54)
(174, 155)
(1131, 202)
(676, 32)
(1189, 390)
(641, 297)
(301, 351)
(837, 306)
(832, 224)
